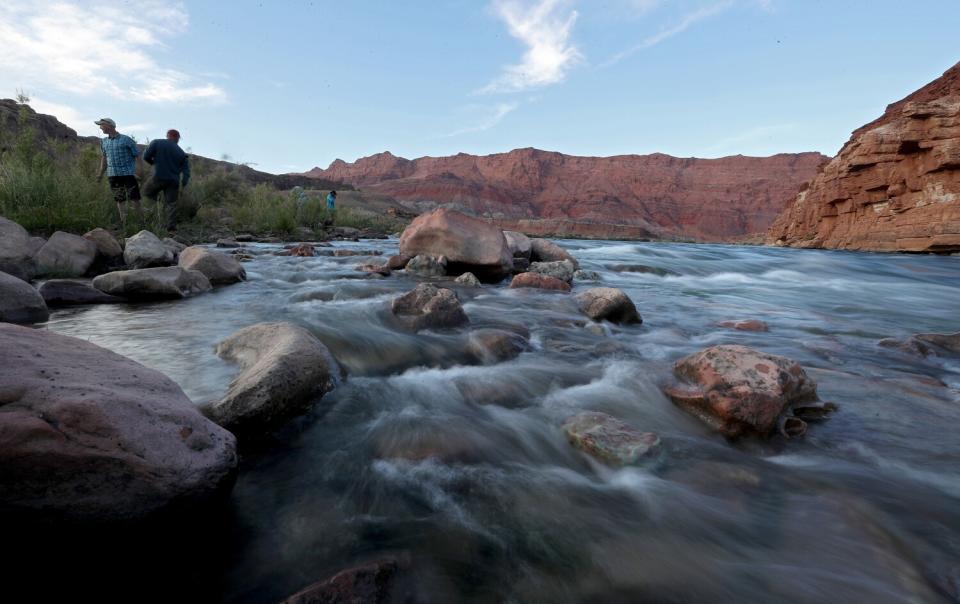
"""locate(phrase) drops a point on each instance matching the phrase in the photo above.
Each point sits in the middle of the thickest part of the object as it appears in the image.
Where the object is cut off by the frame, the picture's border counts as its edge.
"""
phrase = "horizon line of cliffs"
(893, 187)
(634, 196)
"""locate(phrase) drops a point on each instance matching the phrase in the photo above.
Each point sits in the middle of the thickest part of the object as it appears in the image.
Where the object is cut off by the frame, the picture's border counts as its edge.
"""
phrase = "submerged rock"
(609, 439)
(582, 275)
(469, 244)
(65, 255)
(745, 325)
(429, 307)
(492, 346)
(375, 269)
(153, 283)
(20, 302)
(642, 268)
(70, 292)
(90, 435)
(145, 250)
(538, 281)
(284, 370)
(737, 390)
(608, 304)
(218, 268)
(926, 344)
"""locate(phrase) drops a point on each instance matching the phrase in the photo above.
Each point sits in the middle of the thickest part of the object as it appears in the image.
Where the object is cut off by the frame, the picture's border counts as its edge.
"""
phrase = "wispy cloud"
(85, 49)
(544, 26)
(68, 115)
(685, 22)
(493, 118)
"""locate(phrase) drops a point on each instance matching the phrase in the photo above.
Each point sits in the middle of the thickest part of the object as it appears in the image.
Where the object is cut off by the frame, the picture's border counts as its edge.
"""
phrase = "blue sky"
(286, 86)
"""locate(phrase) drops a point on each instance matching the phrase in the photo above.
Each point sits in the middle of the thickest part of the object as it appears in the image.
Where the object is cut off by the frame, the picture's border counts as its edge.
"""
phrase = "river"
(461, 470)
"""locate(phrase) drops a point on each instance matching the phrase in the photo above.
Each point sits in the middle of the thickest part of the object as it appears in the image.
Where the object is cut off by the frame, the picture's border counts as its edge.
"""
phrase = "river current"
(461, 470)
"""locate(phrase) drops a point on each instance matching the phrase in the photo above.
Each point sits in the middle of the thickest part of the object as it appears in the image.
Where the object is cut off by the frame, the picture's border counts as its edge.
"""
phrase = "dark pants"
(171, 191)
(124, 188)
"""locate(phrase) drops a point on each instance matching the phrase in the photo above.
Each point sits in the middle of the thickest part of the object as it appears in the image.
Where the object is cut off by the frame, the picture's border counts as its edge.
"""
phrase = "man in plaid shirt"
(120, 159)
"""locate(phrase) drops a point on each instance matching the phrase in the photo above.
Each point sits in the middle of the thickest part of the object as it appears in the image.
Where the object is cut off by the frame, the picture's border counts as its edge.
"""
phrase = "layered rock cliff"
(894, 186)
(622, 196)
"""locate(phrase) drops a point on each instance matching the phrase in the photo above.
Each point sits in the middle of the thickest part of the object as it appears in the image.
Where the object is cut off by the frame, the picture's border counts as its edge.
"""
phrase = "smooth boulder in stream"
(429, 307)
(153, 283)
(65, 255)
(16, 250)
(90, 435)
(145, 250)
(609, 304)
(468, 243)
(610, 439)
(218, 268)
(284, 370)
(20, 302)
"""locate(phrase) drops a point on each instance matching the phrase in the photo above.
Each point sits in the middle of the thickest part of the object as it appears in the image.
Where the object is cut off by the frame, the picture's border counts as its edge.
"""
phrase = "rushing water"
(461, 469)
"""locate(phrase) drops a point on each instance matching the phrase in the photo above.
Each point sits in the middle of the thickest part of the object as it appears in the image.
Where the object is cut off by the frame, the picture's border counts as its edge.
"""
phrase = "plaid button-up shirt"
(121, 153)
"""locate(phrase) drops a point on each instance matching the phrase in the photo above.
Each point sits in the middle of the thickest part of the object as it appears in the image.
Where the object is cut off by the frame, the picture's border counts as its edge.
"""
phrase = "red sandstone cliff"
(894, 186)
(621, 196)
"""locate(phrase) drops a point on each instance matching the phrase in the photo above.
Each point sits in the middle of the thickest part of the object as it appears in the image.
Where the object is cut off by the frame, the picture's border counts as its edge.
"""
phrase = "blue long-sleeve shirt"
(168, 160)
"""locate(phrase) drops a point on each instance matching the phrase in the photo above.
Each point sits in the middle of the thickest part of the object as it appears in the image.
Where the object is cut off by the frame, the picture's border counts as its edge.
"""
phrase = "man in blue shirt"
(169, 163)
(120, 159)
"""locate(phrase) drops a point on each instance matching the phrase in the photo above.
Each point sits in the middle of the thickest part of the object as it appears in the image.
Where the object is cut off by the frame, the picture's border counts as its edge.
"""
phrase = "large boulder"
(469, 244)
(20, 303)
(609, 439)
(87, 434)
(559, 269)
(737, 390)
(218, 268)
(145, 250)
(429, 307)
(427, 266)
(69, 292)
(153, 283)
(544, 250)
(538, 281)
(610, 304)
(284, 370)
(519, 244)
(16, 250)
(65, 255)
(107, 244)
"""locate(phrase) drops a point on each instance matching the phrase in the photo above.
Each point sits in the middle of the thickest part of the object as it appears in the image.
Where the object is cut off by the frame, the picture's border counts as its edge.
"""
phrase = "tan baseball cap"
(106, 120)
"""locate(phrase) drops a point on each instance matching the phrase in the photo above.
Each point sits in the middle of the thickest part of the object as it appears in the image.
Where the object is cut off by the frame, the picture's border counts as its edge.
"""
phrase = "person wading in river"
(169, 163)
(120, 159)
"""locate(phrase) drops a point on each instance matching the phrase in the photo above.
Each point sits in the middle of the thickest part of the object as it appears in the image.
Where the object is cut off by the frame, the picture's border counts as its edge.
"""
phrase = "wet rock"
(218, 268)
(642, 268)
(562, 270)
(398, 261)
(814, 411)
(429, 307)
(284, 370)
(538, 281)
(737, 390)
(608, 304)
(107, 244)
(153, 283)
(367, 584)
(65, 255)
(582, 275)
(492, 346)
(543, 250)
(70, 292)
(468, 279)
(16, 250)
(469, 244)
(745, 325)
(145, 250)
(244, 238)
(20, 302)
(375, 269)
(791, 427)
(90, 435)
(609, 439)
(228, 243)
(519, 244)
(341, 253)
(926, 344)
(520, 265)
(427, 266)
(304, 250)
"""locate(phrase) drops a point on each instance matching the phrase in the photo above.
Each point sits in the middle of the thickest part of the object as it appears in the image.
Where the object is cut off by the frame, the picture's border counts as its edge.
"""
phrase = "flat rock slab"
(20, 302)
(218, 268)
(428, 306)
(71, 292)
(168, 282)
(608, 304)
(609, 439)
(87, 434)
(738, 390)
(284, 370)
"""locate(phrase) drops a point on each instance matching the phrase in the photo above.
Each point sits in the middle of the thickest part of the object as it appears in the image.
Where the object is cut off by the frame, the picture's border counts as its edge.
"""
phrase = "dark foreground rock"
(429, 307)
(86, 434)
(20, 302)
(284, 369)
(153, 283)
(218, 268)
(74, 292)
(738, 391)
(609, 439)
(608, 304)
(370, 583)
